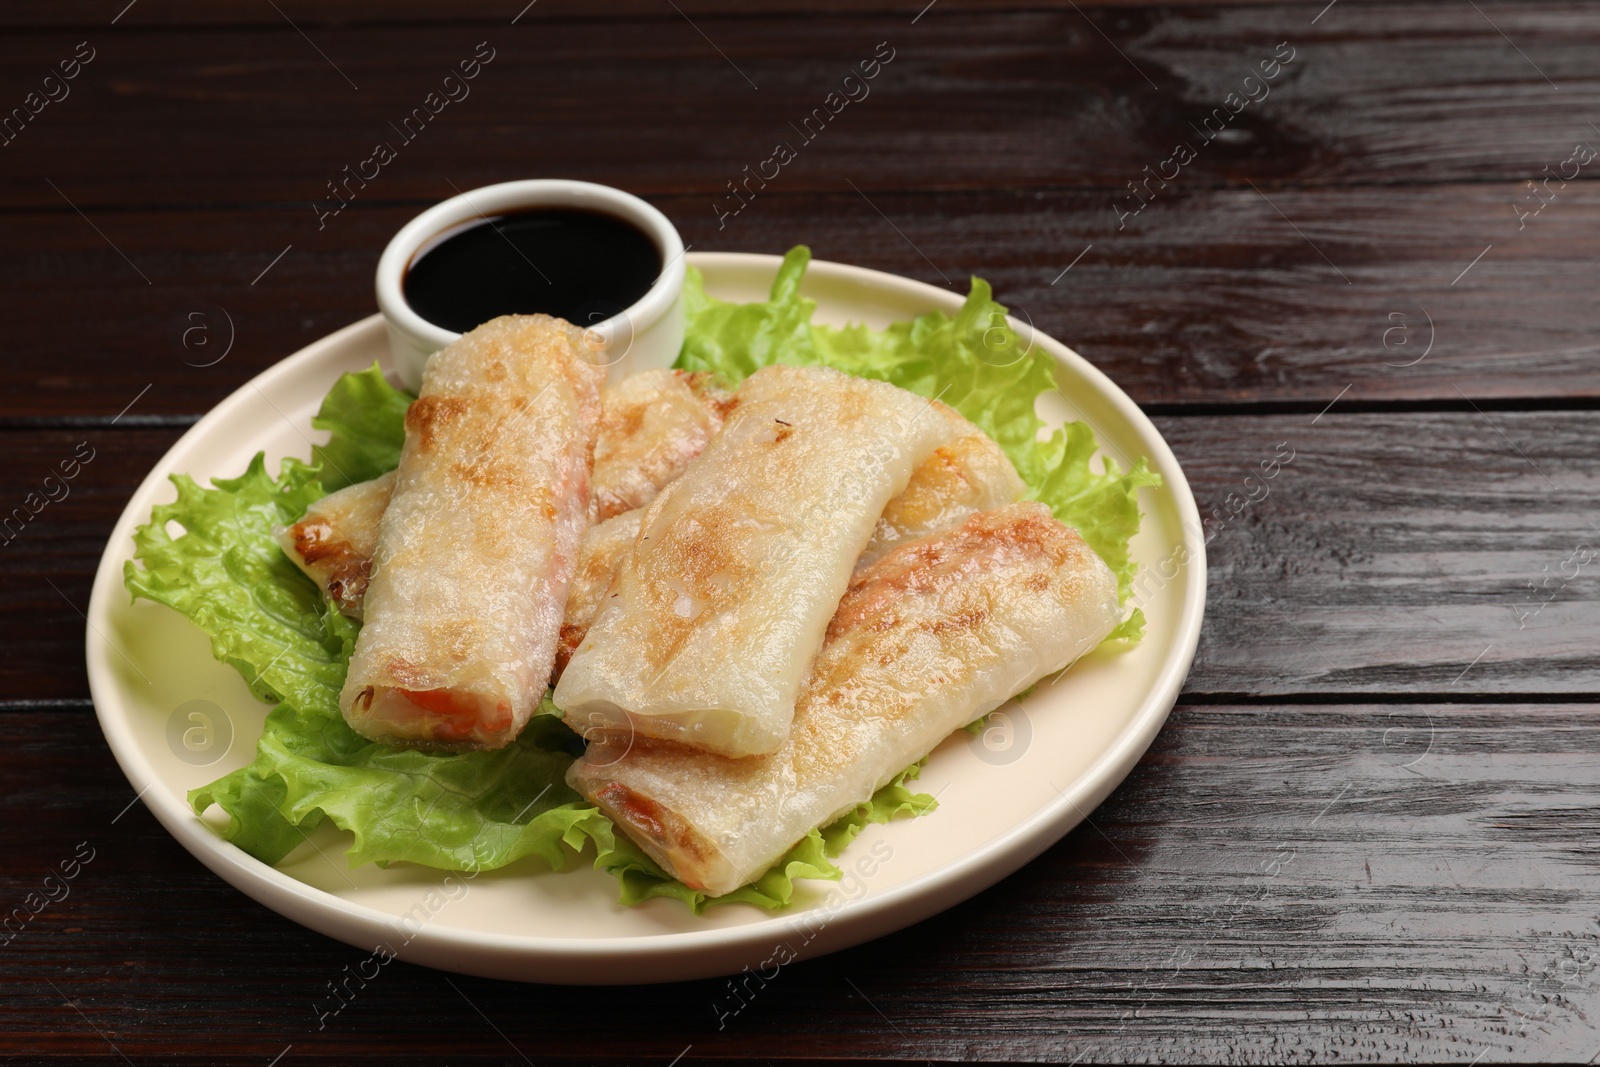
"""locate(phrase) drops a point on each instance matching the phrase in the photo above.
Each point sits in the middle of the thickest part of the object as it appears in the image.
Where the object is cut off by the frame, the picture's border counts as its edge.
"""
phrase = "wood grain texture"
(1408, 553)
(1210, 297)
(1272, 884)
(1396, 94)
(1393, 554)
(53, 530)
(191, 14)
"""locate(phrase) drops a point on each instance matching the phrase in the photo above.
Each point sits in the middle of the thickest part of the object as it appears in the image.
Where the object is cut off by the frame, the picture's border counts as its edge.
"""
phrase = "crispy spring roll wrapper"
(722, 603)
(334, 541)
(934, 635)
(654, 423)
(478, 544)
(966, 476)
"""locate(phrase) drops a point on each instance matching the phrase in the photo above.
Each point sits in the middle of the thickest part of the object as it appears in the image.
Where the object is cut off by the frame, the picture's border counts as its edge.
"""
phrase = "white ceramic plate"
(1004, 796)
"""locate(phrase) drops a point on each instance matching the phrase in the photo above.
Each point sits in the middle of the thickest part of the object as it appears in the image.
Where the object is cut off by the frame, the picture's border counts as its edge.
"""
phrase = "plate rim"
(699, 953)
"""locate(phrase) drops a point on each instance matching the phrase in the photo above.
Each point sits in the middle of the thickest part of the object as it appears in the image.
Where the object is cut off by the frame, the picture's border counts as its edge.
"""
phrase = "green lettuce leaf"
(973, 361)
(365, 417)
(265, 619)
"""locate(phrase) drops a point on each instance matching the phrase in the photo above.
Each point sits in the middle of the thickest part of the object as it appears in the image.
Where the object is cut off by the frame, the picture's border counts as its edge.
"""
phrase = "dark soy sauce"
(581, 266)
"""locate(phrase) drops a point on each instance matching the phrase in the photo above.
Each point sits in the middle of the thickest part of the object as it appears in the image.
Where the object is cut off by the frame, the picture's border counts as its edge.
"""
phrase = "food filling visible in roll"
(334, 541)
(478, 544)
(966, 476)
(934, 635)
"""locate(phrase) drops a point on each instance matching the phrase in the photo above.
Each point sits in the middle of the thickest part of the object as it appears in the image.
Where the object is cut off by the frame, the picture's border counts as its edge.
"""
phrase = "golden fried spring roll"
(334, 541)
(654, 423)
(477, 547)
(966, 476)
(722, 603)
(934, 635)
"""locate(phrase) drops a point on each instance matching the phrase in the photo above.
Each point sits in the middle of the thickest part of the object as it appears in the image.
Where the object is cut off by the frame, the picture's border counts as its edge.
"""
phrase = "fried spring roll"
(721, 605)
(478, 544)
(966, 476)
(655, 422)
(333, 543)
(934, 635)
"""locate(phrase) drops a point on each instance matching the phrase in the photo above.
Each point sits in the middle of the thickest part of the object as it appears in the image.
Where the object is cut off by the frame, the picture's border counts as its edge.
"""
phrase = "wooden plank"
(1447, 553)
(60, 493)
(196, 14)
(190, 14)
(1399, 883)
(1209, 298)
(1049, 100)
(1393, 554)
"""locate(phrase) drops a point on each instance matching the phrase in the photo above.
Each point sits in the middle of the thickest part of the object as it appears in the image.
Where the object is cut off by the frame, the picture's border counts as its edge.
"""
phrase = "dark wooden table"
(1368, 831)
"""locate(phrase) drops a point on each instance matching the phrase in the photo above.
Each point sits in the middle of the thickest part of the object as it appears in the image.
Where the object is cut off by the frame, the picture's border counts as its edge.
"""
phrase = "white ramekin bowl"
(644, 336)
